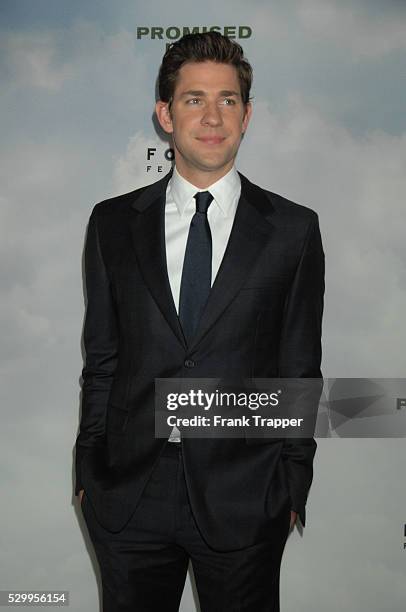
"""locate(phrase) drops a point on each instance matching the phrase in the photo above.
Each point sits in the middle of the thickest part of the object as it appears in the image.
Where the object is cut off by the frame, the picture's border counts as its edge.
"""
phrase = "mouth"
(211, 140)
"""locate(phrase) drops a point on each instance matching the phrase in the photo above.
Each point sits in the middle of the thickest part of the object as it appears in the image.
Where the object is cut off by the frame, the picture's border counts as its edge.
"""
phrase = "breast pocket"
(256, 299)
(265, 282)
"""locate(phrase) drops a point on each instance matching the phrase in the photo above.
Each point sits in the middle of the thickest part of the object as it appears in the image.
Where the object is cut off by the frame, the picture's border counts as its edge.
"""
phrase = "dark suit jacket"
(263, 319)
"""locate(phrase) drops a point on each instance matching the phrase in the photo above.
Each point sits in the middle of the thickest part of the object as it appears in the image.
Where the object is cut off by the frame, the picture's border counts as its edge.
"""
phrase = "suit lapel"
(148, 235)
(250, 233)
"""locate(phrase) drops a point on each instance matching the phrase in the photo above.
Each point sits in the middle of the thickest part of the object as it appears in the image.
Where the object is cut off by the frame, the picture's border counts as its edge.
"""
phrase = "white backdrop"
(328, 130)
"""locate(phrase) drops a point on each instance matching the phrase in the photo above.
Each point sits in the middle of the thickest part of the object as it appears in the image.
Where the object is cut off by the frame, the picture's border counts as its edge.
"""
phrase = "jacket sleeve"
(300, 356)
(101, 349)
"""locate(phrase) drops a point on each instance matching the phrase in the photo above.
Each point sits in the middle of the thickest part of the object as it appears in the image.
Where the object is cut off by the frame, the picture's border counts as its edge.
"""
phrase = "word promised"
(175, 32)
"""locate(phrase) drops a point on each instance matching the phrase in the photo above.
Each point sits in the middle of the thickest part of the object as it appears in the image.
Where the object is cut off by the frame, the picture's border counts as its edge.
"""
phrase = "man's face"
(207, 119)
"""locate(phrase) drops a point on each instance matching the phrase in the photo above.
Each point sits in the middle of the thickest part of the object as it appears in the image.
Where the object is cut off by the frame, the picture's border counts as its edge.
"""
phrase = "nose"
(211, 115)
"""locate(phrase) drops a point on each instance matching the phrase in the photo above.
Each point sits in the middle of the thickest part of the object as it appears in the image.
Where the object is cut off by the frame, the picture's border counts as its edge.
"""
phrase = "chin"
(214, 164)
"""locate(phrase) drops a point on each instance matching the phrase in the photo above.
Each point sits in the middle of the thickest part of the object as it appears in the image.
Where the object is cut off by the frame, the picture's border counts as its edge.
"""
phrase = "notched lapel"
(251, 231)
(148, 236)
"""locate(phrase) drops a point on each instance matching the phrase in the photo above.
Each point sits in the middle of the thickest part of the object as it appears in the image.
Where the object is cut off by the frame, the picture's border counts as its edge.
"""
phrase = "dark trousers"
(144, 566)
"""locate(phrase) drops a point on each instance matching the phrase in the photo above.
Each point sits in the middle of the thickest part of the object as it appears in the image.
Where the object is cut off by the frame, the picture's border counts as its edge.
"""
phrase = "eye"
(193, 101)
(228, 102)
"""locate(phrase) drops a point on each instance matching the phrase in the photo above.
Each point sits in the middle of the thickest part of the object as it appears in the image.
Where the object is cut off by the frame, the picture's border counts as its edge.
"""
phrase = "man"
(202, 274)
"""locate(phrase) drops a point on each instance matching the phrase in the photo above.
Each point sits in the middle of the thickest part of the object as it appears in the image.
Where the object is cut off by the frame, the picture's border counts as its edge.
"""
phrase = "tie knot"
(203, 201)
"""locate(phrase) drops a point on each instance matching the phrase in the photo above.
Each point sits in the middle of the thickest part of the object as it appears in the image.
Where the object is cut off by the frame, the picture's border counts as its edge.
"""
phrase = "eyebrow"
(199, 92)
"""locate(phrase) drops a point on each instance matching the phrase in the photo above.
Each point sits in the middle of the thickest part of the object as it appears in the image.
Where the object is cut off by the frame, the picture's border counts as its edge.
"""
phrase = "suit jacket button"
(189, 363)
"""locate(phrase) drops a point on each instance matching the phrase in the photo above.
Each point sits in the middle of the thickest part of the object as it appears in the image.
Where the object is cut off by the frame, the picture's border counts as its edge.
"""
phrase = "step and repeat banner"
(78, 87)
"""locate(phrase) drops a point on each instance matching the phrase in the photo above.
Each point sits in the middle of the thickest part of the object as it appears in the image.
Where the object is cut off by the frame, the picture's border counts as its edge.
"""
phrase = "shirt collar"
(225, 191)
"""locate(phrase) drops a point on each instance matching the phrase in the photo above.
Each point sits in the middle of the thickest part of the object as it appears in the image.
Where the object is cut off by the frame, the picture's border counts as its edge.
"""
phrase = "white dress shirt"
(179, 210)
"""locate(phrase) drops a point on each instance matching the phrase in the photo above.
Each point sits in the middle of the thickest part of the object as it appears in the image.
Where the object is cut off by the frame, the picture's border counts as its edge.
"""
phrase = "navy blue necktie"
(196, 274)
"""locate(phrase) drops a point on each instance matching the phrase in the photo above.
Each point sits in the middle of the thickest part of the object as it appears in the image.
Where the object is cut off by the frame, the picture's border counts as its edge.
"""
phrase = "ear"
(164, 116)
(247, 116)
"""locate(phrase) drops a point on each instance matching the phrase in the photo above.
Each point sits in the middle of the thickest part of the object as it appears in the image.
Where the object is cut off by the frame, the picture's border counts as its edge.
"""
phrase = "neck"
(202, 179)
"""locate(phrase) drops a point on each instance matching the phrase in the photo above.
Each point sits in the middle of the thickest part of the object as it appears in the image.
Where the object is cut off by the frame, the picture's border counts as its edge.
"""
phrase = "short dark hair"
(208, 46)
